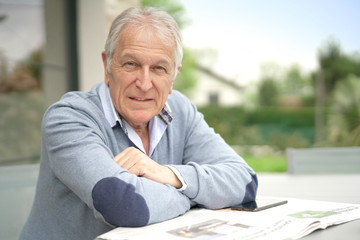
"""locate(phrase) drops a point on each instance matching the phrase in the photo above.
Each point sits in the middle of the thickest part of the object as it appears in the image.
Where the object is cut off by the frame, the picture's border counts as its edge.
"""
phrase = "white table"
(334, 188)
(17, 188)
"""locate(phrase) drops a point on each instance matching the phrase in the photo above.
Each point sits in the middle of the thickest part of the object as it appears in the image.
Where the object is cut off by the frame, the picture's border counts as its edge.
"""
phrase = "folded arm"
(81, 149)
(138, 163)
(215, 175)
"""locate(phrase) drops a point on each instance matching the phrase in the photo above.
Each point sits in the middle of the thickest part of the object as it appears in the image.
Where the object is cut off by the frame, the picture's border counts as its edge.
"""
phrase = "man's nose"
(144, 81)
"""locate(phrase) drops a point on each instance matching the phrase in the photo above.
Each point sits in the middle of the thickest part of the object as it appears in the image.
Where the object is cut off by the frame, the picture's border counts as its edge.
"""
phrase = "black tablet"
(259, 204)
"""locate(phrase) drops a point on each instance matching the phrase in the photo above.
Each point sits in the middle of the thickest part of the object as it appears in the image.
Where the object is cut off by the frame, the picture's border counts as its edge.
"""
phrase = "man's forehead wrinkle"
(137, 52)
(136, 57)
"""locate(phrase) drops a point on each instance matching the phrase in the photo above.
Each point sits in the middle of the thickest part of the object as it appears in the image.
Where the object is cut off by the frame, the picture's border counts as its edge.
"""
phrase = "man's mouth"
(139, 99)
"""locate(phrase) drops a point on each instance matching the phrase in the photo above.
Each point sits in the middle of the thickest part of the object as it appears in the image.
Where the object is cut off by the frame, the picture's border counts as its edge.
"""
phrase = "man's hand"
(138, 163)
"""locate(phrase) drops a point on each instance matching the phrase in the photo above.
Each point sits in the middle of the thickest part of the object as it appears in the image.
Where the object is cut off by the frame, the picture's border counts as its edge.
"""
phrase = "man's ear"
(172, 82)
(171, 87)
(103, 55)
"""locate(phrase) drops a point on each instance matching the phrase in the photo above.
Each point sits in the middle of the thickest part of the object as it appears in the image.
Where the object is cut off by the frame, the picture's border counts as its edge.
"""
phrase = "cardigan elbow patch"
(119, 204)
(251, 189)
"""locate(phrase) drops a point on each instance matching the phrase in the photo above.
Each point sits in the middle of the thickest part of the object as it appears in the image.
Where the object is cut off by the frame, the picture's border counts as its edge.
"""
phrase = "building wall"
(94, 21)
(91, 41)
(207, 85)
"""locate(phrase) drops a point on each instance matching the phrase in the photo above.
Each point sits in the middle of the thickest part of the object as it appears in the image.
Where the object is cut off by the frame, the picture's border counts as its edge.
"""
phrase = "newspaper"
(293, 220)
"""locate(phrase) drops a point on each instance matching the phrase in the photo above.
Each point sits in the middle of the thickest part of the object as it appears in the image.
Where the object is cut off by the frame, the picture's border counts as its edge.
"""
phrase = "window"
(21, 94)
(214, 98)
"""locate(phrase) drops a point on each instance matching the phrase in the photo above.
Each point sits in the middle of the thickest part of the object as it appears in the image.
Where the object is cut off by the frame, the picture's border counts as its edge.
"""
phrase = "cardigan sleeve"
(78, 149)
(216, 176)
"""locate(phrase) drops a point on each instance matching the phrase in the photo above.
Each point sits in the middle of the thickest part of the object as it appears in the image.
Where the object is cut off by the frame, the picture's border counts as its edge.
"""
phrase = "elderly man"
(132, 151)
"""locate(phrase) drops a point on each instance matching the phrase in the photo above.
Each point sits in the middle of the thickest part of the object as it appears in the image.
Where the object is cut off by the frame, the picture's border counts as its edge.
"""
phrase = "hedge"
(240, 126)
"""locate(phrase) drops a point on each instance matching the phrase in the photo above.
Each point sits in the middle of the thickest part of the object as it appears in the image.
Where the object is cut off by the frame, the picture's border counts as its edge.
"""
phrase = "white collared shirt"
(157, 126)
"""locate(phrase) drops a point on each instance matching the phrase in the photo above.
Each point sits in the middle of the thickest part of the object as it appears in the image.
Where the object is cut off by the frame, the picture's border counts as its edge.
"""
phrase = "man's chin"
(140, 117)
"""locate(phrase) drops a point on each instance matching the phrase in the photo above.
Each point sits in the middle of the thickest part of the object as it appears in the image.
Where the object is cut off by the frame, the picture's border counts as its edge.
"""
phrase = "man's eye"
(129, 65)
(160, 69)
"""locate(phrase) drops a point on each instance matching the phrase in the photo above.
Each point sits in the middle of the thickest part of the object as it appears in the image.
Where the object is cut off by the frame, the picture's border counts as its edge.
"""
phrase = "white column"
(92, 33)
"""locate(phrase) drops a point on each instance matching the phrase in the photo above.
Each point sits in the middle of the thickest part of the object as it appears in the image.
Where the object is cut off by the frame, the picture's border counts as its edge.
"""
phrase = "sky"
(244, 34)
(247, 34)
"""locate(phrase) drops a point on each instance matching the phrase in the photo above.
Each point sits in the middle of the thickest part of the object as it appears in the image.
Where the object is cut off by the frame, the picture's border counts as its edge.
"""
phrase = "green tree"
(343, 127)
(268, 92)
(335, 64)
(297, 85)
(187, 78)
(297, 82)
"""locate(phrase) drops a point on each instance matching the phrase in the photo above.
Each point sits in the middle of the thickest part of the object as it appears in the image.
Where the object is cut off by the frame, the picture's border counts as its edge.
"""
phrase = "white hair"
(149, 20)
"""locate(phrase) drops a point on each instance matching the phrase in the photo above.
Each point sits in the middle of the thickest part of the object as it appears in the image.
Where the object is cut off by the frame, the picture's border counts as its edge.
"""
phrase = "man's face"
(141, 76)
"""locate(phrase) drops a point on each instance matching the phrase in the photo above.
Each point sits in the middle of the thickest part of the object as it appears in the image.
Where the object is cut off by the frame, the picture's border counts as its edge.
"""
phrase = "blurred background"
(269, 76)
(266, 76)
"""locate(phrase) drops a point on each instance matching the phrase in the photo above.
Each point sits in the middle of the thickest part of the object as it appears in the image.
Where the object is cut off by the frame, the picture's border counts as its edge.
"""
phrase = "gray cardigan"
(82, 193)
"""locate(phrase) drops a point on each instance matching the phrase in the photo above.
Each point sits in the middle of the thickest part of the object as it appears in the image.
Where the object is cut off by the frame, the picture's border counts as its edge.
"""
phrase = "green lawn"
(266, 163)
